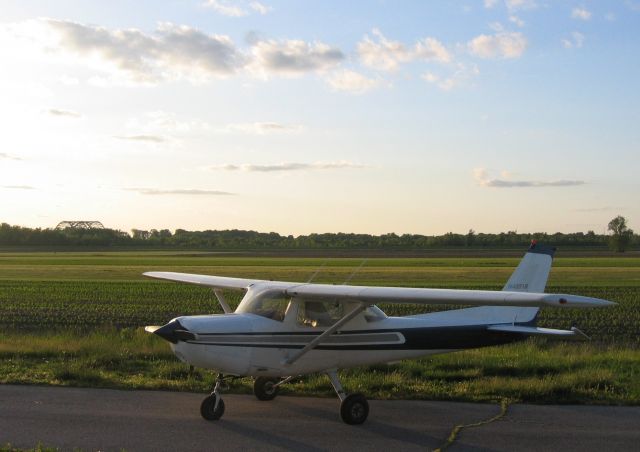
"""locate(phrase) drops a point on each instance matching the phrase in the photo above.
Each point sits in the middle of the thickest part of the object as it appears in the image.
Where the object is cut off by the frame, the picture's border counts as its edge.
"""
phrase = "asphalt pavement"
(113, 420)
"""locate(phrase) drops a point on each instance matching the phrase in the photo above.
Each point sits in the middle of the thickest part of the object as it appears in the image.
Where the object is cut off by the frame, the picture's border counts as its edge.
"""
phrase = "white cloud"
(226, 8)
(260, 8)
(384, 54)
(581, 13)
(169, 53)
(290, 166)
(63, 113)
(18, 187)
(490, 3)
(262, 128)
(460, 76)
(482, 178)
(516, 20)
(293, 57)
(142, 138)
(610, 17)
(179, 191)
(351, 81)
(514, 5)
(576, 41)
(5, 156)
(430, 49)
(233, 8)
(500, 45)
(381, 53)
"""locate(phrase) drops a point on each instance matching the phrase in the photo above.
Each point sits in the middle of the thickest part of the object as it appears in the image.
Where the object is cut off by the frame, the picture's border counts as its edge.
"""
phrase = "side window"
(319, 313)
(271, 308)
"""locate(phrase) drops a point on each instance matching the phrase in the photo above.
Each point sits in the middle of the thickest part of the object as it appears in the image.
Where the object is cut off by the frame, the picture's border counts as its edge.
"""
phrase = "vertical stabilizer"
(533, 271)
(530, 276)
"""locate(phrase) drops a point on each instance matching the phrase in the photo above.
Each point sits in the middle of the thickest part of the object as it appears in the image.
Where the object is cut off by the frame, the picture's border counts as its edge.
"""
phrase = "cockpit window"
(319, 313)
(272, 305)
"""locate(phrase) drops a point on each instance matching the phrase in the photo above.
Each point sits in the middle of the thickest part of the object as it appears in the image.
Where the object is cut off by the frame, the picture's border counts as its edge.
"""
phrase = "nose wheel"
(212, 407)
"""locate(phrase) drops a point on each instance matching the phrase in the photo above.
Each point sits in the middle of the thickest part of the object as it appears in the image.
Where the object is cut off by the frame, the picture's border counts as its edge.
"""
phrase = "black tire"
(264, 388)
(354, 409)
(208, 408)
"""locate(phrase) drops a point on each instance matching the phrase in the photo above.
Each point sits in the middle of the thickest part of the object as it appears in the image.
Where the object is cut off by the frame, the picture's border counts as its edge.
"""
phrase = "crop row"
(40, 305)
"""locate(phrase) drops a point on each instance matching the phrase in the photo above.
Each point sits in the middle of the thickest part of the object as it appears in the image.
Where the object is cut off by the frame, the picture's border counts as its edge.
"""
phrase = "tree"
(471, 237)
(620, 234)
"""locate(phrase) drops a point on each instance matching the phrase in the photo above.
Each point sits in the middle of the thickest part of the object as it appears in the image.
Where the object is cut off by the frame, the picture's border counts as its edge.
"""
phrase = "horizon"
(411, 117)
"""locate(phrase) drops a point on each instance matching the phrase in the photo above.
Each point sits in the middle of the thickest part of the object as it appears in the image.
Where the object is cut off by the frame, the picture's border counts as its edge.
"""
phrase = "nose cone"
(174, 332)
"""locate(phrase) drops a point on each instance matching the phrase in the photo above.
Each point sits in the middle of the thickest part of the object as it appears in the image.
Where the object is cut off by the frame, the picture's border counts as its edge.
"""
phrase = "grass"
(74, 319)
(534, 371)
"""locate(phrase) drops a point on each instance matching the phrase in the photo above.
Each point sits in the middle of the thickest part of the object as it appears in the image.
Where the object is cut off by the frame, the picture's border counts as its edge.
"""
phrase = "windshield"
(272, 305)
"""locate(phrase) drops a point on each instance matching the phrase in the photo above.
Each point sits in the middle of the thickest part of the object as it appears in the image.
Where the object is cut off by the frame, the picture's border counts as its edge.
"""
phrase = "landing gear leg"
(354, 408)
(212, 407)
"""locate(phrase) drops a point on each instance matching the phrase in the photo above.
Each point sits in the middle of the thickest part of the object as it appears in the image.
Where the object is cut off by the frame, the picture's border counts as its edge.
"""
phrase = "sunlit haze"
(298, 117)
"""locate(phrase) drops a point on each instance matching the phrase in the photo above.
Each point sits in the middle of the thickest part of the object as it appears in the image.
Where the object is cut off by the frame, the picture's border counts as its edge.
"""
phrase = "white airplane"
(281, 330)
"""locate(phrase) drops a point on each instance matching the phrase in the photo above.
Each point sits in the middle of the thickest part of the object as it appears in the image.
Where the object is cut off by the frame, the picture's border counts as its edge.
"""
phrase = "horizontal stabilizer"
(573, 333)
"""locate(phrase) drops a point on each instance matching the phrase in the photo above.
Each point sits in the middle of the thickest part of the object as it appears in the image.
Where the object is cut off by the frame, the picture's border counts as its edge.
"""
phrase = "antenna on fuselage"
(356, 270)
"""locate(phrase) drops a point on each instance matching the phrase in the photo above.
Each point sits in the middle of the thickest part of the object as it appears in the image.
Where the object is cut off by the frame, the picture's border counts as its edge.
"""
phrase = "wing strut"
(222, 301)
(328, 332)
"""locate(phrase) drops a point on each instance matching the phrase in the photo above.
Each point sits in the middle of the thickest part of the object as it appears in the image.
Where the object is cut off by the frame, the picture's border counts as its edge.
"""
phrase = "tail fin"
(533, 271)
(530, 276)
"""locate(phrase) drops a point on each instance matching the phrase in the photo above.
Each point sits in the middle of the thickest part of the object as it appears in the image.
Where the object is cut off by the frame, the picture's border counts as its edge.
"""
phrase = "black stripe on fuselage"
(431, 338)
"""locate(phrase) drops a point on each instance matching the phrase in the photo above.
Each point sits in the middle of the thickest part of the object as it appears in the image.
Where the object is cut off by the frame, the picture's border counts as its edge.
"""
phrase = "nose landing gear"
(212, 407)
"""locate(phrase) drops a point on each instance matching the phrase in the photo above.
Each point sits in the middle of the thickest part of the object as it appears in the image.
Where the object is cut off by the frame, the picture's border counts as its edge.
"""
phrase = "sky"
(296, 117)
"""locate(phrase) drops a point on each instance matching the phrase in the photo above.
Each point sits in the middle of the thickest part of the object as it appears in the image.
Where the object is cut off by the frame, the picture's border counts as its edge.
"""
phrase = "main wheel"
(265, 388)
(354, 409)
(209, 410)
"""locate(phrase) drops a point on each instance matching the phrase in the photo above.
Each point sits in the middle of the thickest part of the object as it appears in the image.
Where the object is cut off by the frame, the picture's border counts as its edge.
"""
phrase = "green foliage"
(621, 235)
(16, 236)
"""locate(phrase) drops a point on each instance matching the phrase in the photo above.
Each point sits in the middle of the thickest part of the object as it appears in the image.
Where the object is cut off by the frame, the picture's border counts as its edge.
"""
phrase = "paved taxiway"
(103, 419)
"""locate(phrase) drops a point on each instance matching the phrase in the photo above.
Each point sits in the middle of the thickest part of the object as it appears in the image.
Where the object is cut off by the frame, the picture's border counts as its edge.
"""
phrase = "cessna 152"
(281, 330)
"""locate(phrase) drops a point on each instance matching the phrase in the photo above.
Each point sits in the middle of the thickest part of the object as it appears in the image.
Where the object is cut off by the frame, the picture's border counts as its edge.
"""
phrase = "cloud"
(516, 20)
(144, 138)
(598, 209)
(581, 13)
(291, 166)
(514, 5)
(171, 52)
(351, 81)
(226, 8)
(490, 3)
(501, 45)
(460, 76)
(430, 49)
(262, 128)
(293, 57)
(65, 113)
(483, 179)
(5, 156)
(237, 8)
(260, 8)
(576, 41)
(180, 191)
(383, 54)
(18, 187)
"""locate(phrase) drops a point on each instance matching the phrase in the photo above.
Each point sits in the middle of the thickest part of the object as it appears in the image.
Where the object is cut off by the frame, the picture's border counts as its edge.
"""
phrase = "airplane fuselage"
(251, 345)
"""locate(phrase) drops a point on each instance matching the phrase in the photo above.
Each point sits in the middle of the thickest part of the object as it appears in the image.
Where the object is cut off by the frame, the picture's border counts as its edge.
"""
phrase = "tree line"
(620, 239)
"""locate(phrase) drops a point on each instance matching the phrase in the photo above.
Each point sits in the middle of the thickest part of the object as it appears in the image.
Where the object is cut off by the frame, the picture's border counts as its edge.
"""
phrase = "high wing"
(401, 295)
(217, 282)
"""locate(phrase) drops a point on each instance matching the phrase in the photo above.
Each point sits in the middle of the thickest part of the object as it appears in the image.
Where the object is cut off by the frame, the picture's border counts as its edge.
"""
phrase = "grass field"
(75, 318)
